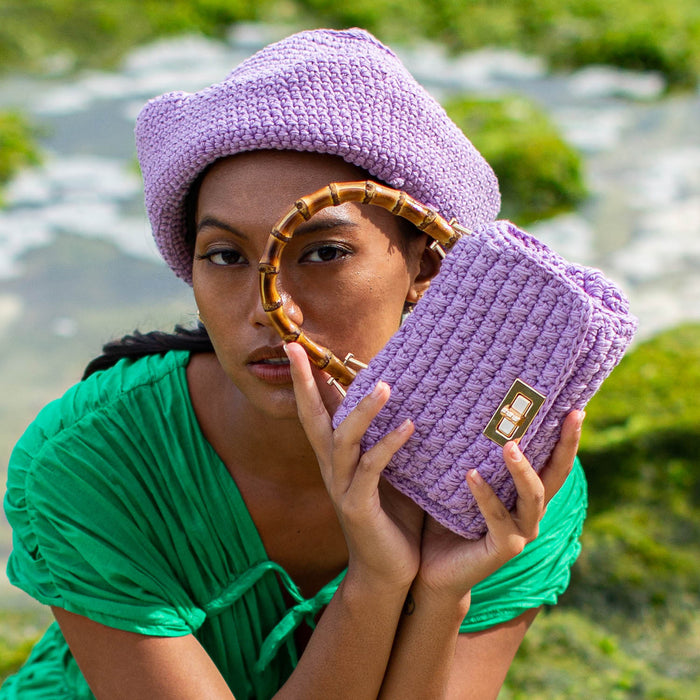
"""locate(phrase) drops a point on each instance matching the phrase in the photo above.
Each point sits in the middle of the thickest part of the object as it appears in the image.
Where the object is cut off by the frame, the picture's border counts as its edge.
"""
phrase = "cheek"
(221, 305)
(204, 295)
(357, 313)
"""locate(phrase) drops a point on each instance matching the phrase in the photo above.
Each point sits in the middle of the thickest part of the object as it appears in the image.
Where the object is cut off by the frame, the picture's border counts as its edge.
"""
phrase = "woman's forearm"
(349, 651)
(424, 648)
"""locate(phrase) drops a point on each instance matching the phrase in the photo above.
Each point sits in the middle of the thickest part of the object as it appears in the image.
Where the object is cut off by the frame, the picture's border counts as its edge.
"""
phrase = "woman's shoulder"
(99, 498)
(98, 404)
(125, 377)
(145, 376)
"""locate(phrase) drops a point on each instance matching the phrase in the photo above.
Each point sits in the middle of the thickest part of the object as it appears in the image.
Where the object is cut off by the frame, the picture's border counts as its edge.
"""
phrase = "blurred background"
(588, 110)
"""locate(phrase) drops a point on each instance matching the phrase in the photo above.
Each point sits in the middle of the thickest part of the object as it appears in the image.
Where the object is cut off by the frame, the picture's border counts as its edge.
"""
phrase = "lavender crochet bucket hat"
(334, 92)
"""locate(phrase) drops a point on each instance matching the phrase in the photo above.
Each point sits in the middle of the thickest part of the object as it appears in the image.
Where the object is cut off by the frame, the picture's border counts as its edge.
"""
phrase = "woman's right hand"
(382, 527)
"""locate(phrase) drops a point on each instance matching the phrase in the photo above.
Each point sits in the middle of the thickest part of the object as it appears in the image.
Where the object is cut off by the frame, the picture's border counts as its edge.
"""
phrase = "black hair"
(139, 344)
(191, 209)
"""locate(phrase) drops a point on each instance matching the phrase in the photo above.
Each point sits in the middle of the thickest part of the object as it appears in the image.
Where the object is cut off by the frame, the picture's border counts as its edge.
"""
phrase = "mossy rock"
(566, 656)
(637, 562)
(650, 36)
(653, 35)
(20, 629)
(539, 174)
(640, 557)
(642, 428)
(98, 33)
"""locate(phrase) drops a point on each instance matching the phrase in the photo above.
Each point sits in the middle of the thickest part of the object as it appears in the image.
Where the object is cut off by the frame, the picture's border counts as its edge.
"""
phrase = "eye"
(222, 258)
(328, 252)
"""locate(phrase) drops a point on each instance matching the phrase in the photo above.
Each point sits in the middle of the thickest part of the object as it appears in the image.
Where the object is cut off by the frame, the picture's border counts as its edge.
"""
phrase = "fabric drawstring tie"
(304, 610)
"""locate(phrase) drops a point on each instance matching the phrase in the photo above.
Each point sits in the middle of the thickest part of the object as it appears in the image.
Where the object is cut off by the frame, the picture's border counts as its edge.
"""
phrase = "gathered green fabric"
(123, 512)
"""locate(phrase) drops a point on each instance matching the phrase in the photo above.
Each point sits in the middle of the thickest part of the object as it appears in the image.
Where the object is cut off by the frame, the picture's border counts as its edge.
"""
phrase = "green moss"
(19, 631)
(99, 32)
(539, 174)
(18, 147)
(658, 36)
(653, 35)
(639, 571)
(565, 656)
(12, 656)
(634, 566)
(642, 427)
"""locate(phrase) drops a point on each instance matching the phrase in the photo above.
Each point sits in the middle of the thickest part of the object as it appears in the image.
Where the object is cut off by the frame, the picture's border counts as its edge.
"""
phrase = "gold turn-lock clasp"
(515, 413)
(352, 363)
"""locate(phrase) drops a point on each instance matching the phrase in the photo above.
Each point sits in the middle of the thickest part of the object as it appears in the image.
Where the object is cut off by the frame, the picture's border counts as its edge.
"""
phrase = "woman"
(193, 520)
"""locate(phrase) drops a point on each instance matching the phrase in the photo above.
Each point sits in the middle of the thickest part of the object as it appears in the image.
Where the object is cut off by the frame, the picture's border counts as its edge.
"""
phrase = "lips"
(270, 364)
(268, 355)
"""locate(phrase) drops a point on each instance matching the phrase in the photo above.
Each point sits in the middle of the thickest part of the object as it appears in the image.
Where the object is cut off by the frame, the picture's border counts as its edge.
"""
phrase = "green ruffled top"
(123, 512)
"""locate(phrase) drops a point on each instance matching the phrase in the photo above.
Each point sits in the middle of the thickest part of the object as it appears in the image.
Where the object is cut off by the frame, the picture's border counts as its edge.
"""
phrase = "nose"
(258, 316)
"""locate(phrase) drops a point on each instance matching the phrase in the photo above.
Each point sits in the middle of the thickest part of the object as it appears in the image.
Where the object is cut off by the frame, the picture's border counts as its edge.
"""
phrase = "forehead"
(279, 173)
(261, 186)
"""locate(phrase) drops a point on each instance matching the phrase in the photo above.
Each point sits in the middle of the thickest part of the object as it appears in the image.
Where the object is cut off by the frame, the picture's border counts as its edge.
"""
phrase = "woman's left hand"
(451, 565)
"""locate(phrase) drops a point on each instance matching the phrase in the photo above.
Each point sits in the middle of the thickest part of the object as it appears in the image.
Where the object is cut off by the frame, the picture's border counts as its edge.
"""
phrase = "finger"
(374, 461)
(530, 503)
(312, 413)
(498, 520)
(348, 435)
(562, 460)
(359, 419)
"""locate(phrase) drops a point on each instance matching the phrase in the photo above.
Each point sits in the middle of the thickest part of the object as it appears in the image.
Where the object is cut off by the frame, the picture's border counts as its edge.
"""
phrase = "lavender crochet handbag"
(507, 340)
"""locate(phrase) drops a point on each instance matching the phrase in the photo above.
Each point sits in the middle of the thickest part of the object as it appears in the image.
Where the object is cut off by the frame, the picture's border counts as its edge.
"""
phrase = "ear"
(429, 267)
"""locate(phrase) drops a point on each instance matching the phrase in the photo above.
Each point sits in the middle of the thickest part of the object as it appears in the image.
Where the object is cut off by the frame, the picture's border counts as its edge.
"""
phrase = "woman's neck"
(277, 475)
(272, 449)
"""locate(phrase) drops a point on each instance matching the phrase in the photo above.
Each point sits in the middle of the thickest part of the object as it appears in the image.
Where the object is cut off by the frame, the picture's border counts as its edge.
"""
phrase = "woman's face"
(345, 275)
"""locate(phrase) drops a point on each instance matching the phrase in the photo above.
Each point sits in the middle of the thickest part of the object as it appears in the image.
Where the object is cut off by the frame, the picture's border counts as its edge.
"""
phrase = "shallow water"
(641, 224)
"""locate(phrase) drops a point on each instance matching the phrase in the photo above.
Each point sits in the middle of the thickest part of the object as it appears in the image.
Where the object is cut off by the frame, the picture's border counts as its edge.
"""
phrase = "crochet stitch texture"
(333, 92)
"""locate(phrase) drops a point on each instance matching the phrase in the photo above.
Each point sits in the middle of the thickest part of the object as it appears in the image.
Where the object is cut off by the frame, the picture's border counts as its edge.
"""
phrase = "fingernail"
(514, 452)
(405, 426)
(378, 389)
(475, 476)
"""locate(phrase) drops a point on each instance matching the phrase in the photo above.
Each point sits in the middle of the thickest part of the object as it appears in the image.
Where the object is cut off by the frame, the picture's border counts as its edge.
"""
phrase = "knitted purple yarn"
(332, 92)
(503, 306)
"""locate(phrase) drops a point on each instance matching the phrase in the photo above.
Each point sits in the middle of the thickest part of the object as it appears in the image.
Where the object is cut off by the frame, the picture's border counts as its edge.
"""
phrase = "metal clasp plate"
(515, 413)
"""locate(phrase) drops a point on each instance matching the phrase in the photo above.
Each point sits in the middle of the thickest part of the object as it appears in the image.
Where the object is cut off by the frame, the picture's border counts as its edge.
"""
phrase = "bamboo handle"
(365, 192)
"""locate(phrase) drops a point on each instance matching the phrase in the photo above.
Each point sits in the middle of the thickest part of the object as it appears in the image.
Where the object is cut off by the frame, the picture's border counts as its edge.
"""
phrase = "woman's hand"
(430, 658)
(451, 565)
(382, 527)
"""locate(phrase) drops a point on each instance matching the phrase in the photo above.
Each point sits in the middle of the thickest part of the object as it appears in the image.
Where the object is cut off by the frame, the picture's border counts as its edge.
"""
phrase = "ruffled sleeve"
(87, 528)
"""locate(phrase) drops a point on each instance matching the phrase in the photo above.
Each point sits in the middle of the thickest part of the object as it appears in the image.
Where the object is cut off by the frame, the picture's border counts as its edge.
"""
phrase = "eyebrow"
(213, 222)
(315, 225)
